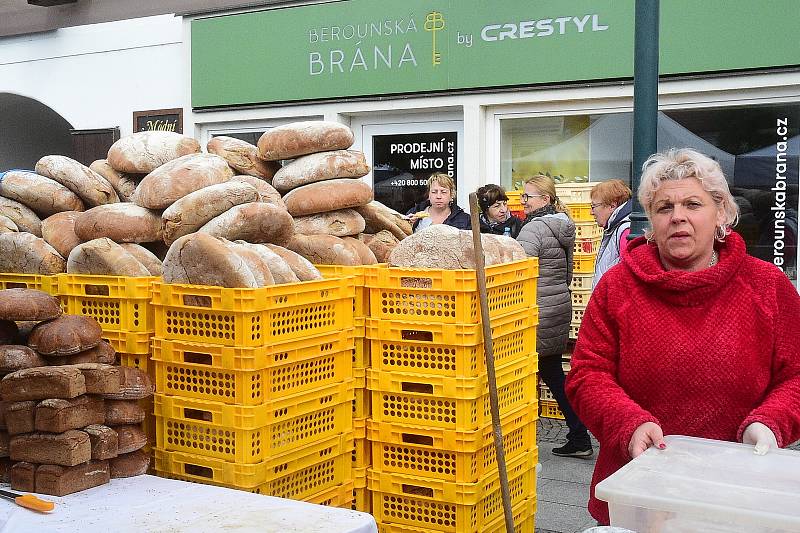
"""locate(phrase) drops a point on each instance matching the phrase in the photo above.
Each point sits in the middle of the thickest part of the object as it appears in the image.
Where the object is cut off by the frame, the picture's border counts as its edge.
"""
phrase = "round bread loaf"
(104, 257)
(124, 184)
(300, 138)
(200, 259)
(242, 157)
(102, 353)
(131, 438)
(301, 266)
(254, 222)
(194, 210)
(381, 244)
(134, 385)
(377, 218)
(28, 254)
(172, 181)
(266, 192)
(44, 196)
(510, 249)
(66, 335)
(22, 216)
(320, 167)
(365, 255)
(145, 151)
(119, 412)
(7, 225)
(9, 332)
(13, 358)
(147, 258)
(443, 247)
(23, 305)
(281, 272)
(254, 262)
(59, 231)
(129, 464)
(90, 186)
(340, 223)
(324, 250)
(327, 196)
(122, 222)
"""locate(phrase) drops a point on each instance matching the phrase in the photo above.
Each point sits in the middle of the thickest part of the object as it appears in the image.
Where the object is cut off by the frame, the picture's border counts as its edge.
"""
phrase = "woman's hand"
(760, 435)
(646, 435)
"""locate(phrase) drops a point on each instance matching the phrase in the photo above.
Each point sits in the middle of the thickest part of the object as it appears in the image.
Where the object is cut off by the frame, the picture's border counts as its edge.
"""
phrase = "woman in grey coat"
(549, 234)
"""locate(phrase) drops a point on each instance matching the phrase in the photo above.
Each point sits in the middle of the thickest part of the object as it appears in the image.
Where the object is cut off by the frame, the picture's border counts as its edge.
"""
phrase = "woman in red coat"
(687, 335)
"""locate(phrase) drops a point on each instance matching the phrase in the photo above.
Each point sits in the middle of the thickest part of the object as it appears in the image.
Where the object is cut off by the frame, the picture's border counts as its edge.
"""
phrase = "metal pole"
(494, 402)
(645, 101)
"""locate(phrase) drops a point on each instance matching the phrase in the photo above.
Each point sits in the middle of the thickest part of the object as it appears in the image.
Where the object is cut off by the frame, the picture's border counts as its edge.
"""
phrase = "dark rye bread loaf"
(172, 181)
(124, 184)
(242, 157)
(327, 196)
(23, 476)
(102, 353)
(134, 385)
(42, 383)
(100, 378)
(103, 440)
(69, 448)
(104, 257)
(266, 192)
(292, 140)
(130, 464)
(26, 253)
(20, 417)
(324, 250)
(15, 357)
(5, 445)
(200, 259)
(145, 151)
(123, 412)
(59, 480)
(44, 196)
(21, 215)
(58, 415)
(59, 232)
(90, 186)
(121, 222)
(66, 335)
(9, 332)
(339, 223)
(130, 438)
(23, 305)
(255, 222)
(320, 167)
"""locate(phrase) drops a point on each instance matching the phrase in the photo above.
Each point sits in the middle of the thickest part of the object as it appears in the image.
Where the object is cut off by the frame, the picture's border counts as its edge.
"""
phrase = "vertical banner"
(402, 165)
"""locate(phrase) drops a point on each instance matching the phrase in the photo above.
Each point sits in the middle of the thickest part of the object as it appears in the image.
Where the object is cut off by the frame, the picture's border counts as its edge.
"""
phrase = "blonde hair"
(443, 180)
(678, 164)
(545, 185)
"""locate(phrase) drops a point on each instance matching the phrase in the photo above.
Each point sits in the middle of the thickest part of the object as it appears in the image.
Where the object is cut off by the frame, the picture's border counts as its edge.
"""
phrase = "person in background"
(495, 216)
(611, 207)
(440, 207)
(688, 335)
(549, 234)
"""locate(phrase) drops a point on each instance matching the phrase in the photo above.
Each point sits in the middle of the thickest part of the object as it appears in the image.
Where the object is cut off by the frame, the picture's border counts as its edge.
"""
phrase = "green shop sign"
(379, 47)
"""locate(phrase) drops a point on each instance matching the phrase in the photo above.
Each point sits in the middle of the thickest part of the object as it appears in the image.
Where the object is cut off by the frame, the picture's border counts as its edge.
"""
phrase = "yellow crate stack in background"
(255, 387)
(433, 458)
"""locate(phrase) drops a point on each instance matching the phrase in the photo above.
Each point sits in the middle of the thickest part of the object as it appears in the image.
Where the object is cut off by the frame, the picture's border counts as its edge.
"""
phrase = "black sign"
(402, 165)
(159, 120)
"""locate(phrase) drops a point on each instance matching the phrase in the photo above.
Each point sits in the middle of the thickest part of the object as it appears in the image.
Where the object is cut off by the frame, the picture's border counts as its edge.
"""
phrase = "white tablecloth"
(146, 504)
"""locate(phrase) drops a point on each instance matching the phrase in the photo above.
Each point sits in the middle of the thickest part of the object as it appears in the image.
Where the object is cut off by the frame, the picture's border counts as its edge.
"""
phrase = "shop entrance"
(30, 130)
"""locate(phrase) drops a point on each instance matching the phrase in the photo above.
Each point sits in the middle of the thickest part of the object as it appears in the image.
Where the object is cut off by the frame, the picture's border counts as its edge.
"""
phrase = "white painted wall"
(96, 76)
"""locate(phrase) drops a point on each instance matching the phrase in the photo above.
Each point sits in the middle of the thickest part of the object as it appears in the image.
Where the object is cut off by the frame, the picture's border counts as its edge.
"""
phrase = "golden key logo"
(434, 22)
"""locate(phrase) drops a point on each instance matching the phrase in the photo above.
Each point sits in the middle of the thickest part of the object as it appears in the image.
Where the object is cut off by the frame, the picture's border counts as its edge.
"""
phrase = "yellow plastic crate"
(129, 342)
(412, 400)
(587, 246)
(360, 428)
(361, 302)
(587, 230)
(523, 515)
(570, 193)
(580, 298)
(252, 317)
(339, 496)
(362, 500)
(362, 403)
(549, 409)
(141, 361)
(361, 353)
(39, 282)
(514, 200)
(581, 282)
(116, 302)
(360, 377)
(445, 506)
(577, 313)
(450, 296)
(583, 263)
(327, 463)
(580, 211)
(249, 435)
(445, 359)
(362, 455)
(256, 387)
(545, 395)
(417, 455)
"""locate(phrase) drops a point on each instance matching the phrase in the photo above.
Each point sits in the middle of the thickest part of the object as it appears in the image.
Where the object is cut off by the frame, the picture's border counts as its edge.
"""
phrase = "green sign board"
(379, 47)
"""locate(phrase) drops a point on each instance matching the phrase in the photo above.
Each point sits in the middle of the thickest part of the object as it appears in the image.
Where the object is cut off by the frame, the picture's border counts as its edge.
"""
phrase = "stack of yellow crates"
(434, 465)
(255, 388)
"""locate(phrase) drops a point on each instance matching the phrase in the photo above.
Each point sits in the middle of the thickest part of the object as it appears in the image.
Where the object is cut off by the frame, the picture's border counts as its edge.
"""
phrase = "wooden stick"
(488, 347)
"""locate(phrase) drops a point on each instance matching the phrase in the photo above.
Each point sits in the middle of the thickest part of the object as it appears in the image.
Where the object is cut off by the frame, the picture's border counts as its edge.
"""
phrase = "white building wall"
(96, 76)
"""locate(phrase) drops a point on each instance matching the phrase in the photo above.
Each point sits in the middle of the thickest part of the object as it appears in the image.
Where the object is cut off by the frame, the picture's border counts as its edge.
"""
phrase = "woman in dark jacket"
(495, 216)
(440, 207)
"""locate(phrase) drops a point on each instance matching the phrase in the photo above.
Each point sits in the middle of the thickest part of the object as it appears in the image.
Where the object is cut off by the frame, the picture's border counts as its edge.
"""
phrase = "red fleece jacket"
(699, 353)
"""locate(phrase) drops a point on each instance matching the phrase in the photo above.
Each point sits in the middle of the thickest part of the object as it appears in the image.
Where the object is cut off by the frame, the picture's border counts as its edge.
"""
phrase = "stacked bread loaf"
(70, 415)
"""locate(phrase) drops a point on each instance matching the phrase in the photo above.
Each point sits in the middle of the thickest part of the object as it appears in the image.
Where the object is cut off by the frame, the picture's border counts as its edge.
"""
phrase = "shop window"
(247, 136)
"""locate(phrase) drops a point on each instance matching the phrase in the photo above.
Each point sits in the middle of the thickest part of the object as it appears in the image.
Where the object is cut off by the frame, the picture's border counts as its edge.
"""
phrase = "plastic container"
(339, 496)
(523, 515)
(362, 455)
(450, 296)
(550, 409)
(40, 282)
(141, 361)
(581, 282)
(587, 230)
(362, 404)
(577, 313)
(580, 211)
(580, 298)
(705, 485)
(129, 342)
(587, 246)
(583, 263)
(362, 500)
(116, 302)
(544, 394)
(570, 193)
(574, 327)
(361, 301)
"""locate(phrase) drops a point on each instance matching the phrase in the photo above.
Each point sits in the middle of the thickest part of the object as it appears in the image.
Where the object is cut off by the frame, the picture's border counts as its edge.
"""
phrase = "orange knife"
(29, 501)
